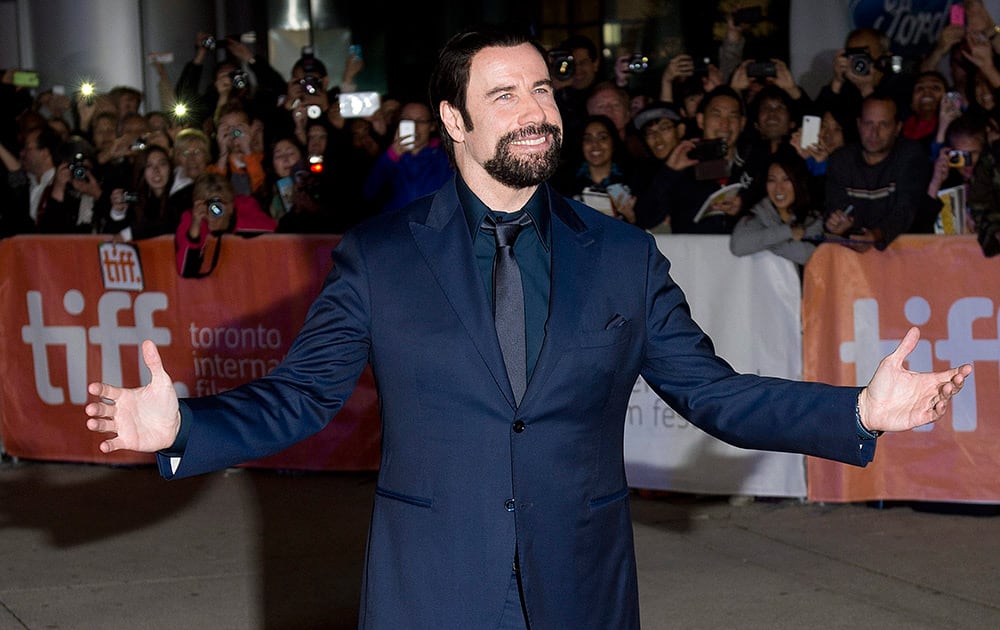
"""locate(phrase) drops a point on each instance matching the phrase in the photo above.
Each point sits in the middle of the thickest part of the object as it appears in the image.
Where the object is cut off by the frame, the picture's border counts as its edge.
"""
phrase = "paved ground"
(86, 547)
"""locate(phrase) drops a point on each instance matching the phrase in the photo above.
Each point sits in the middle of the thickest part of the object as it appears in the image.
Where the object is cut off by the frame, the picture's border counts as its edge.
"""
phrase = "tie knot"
(505, 232)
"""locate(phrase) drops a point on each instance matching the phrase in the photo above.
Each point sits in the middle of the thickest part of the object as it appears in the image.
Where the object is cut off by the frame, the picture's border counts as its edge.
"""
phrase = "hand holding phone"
(810, 131)
(407, 134)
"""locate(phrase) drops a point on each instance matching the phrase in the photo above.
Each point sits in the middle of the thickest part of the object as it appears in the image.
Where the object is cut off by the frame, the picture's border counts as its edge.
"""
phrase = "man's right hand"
(144, 419)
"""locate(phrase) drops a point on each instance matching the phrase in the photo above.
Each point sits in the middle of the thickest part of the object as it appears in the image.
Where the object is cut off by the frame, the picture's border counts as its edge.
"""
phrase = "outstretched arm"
(897, 399)
(145, 419)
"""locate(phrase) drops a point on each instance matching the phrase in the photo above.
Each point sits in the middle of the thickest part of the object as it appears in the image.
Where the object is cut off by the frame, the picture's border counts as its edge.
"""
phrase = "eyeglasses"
(658, 128)
(191, 152)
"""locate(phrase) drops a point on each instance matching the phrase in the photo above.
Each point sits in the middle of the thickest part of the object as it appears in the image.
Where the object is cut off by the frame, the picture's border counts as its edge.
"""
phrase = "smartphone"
(957, 14)
(708, 150)
(810, 131)
(161, 58)
(407, 131)
(359, 104)
(25, 78)
(762, 70)
(354, 50)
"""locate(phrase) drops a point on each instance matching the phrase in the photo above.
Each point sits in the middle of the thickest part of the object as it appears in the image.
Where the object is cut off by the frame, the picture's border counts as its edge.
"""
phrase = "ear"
(700, 118)
(451, 118)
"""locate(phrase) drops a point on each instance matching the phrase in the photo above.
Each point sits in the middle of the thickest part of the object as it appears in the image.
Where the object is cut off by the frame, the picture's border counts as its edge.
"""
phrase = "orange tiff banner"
(856, 307)
(75, 309)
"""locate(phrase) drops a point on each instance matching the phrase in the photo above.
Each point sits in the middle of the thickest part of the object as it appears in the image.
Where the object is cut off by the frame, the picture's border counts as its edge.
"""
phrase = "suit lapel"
(445, 244)
(575, 264)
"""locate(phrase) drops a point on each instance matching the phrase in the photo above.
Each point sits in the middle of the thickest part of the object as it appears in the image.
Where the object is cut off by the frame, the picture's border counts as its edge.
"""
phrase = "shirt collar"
(475, 210)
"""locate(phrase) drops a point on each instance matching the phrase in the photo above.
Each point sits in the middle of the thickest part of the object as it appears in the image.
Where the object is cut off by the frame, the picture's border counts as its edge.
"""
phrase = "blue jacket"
(466, 475)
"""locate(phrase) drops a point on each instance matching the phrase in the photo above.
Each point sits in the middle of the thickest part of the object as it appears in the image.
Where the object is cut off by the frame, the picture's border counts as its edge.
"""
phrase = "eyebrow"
(500, 89)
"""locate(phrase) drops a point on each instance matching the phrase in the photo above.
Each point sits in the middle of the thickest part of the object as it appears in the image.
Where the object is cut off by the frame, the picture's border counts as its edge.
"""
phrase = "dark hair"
(881, 97)
(795, 167)
(449, 80)
(844, 117)
(771, 92)
(618, 151)
(151, 209)
(574, 42)
(968, 125)
(722, 90)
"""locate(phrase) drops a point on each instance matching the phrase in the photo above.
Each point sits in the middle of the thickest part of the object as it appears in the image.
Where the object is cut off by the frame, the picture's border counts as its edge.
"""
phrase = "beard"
(530, 170)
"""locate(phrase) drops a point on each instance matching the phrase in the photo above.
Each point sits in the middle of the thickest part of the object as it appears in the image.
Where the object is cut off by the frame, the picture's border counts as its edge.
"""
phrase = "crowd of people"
(719, 148)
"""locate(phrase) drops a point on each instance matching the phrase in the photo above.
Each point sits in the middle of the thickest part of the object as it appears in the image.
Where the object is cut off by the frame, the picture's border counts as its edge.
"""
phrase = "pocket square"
(616, 322)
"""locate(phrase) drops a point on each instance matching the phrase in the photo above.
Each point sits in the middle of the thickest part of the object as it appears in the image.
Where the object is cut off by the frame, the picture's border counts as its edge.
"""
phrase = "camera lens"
(215, 207)
(314, 111)
(130, 197)
(861, 65)
(638, 63)
(208, 43)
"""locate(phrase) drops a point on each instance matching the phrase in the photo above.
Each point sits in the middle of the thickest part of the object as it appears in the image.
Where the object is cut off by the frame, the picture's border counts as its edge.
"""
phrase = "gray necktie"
(508, 300)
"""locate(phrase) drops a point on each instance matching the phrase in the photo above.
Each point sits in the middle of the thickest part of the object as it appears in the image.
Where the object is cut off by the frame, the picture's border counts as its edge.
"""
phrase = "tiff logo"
(120, 268)
(959, 347)
(108, 334)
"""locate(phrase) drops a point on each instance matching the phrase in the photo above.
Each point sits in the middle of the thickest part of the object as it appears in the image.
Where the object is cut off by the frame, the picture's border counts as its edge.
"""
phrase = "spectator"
(192, 153)
(836, 129)
(75, 191)
(925, 106)
(236, 158)
(963, 147)
(217, 211)
(784, 221)
(677, 191)
(609, 100)
(572, 94)
(145, 209)
(984, 200)
(408, 170)
(661, 127)
(599, 176)
(286, 156)
(861, 68)
(39, 163)
(875, 188)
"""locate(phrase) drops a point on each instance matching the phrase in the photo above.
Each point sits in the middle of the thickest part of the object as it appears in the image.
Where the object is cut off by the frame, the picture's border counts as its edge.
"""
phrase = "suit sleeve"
(300, 396)
(745, 410)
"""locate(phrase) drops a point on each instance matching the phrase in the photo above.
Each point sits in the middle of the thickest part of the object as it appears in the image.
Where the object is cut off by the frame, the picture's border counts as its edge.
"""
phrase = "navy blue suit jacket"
(405, 295)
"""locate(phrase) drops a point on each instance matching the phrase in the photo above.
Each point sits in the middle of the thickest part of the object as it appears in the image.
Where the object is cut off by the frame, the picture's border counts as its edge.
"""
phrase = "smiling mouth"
(532, 142)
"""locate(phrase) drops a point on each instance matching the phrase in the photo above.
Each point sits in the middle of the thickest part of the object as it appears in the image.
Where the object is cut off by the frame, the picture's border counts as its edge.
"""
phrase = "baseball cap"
(655, 111)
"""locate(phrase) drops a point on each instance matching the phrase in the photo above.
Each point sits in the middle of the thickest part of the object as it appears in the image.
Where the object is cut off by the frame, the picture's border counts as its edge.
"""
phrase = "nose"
(531, 112)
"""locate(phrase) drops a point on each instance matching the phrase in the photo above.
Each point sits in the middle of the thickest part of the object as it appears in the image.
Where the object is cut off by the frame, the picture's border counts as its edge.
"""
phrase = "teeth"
(531, 142)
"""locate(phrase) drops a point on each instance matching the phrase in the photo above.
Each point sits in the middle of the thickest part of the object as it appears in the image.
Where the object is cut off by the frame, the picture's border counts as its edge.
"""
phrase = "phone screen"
(810, 131)
(24, 78)
(407, 131)
(957, 14)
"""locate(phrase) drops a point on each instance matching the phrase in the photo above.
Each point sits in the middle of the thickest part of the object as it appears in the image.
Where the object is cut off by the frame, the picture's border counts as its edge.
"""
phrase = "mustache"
(532, 130)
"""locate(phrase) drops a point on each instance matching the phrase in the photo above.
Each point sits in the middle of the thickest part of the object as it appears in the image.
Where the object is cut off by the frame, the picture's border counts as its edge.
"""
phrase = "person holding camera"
(237, 159)
(696, 171)
(413, 166)
(145, 209)
(862, 67)
(75, 191)
(217, 210)
(963, 147)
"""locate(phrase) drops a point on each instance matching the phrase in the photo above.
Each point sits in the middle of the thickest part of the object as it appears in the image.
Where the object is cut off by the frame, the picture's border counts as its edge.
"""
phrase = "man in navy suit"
(501, 497)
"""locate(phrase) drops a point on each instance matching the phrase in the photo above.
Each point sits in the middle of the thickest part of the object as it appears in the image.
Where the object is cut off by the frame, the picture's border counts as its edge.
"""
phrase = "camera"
(78, 168)
(240, 79)
(311, 84)
(215, 207)
(561, 65)
(638, 63)
(762, 70)
(208, 43)
(138, 145)
(959, 159)
(130, 197)
(708, 150)
(859, 60)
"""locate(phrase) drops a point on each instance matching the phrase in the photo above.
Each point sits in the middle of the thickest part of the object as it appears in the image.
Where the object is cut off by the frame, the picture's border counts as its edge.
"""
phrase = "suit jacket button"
(509, 505)
(518, 426)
